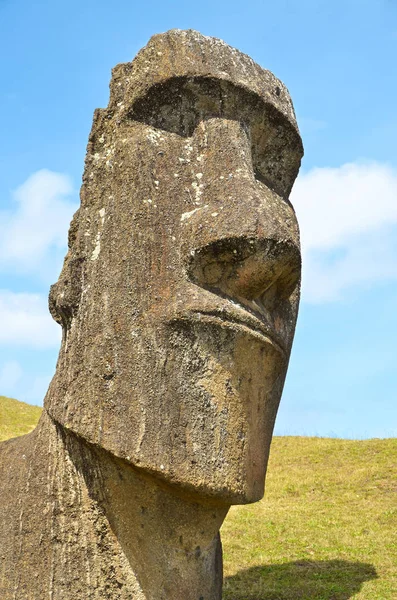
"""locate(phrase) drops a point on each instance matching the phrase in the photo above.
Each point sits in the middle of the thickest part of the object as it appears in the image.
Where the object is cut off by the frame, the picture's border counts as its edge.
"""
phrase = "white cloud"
(10, 374)
(33, 234)
(348, 220)
(25, 321)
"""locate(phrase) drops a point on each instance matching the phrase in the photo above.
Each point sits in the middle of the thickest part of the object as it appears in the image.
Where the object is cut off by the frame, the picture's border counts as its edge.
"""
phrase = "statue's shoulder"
(22, 501)
(14, 457)
(23, 463)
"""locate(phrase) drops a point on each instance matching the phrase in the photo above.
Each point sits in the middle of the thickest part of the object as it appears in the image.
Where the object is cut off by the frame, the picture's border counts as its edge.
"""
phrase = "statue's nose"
(233, 241)
(224, 147)
(226, 199)
(255, 272)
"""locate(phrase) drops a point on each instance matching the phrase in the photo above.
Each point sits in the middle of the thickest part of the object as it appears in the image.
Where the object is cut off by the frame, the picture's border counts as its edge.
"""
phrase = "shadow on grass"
(300, 580)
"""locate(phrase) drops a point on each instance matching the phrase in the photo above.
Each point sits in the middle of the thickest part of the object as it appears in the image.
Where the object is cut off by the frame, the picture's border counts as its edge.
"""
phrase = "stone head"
(179, 293)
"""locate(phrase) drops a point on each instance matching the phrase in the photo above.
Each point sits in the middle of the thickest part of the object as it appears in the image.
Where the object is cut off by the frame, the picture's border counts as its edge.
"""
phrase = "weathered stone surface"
(178, 301)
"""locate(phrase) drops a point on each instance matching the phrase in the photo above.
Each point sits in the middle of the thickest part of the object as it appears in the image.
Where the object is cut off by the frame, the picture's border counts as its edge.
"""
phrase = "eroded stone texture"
(178, 301)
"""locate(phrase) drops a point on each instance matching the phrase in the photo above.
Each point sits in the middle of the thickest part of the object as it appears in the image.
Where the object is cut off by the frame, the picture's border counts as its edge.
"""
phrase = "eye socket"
(179, 104)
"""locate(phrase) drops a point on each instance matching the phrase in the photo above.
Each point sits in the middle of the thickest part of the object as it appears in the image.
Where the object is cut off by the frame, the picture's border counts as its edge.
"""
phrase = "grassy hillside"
(326, 530)
(16, 418)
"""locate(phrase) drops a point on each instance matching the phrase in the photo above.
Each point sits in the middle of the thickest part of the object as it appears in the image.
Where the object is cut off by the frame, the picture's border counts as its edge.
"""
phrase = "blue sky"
(338, 61)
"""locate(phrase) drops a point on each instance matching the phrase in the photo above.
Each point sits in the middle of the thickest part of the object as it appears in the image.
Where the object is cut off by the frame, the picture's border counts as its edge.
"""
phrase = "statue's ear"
(65, 294)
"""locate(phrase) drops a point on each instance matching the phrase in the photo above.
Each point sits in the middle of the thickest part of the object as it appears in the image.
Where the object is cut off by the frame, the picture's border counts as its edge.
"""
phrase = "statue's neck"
(166, 545)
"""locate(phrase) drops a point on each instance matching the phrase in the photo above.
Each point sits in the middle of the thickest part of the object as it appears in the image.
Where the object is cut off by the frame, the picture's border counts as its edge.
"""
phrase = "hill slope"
(16, 418)
(326, 530)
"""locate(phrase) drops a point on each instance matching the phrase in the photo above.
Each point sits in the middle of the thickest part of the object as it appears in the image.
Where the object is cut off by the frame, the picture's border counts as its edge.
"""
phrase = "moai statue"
(178, 301)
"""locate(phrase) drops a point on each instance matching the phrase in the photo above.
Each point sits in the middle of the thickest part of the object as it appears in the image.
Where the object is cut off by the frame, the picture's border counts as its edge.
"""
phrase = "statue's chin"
(240, 490)
(199, 417)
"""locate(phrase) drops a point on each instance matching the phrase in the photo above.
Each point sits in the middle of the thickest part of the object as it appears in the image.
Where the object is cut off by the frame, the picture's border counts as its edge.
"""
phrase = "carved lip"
(246, 323)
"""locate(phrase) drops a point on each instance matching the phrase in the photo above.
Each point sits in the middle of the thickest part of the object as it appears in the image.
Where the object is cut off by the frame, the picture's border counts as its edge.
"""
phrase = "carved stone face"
(179, 294)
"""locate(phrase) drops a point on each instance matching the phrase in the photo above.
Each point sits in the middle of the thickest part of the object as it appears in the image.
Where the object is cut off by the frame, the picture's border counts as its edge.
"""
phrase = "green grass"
(16, 418)
(326, 530)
